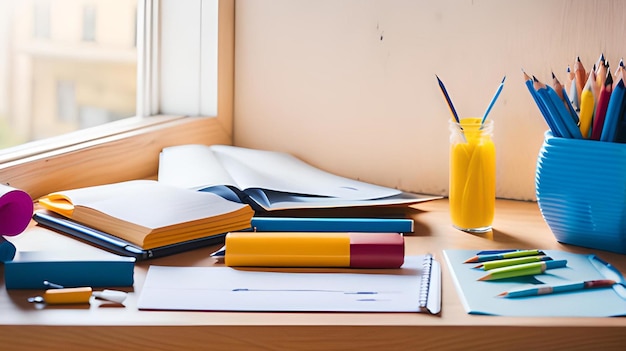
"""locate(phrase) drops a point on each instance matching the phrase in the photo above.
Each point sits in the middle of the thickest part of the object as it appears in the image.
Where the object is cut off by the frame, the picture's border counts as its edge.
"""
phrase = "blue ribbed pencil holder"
(581, 191)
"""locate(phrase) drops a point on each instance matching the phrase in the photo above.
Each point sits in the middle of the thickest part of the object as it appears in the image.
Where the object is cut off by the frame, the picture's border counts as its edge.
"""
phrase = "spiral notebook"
(415, 287)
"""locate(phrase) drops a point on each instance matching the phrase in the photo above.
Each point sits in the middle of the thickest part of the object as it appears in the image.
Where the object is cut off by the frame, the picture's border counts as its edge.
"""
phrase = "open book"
(148, 213)
(269, 180)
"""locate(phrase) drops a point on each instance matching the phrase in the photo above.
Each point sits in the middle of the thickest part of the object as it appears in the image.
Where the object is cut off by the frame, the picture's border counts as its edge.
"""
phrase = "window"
(183, 67)
(61, 57)
(89, 22)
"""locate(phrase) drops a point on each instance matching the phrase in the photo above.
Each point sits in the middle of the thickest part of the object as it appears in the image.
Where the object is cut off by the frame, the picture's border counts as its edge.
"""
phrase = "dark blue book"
(29, 269)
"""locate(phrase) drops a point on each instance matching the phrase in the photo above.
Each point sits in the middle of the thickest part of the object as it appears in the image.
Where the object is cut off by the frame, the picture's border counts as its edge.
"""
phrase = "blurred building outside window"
(65, 65)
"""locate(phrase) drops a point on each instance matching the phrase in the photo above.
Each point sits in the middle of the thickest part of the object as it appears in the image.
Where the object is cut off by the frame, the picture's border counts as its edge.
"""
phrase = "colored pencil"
(613, 112)
(551, 101)
(573, 96)
(493, 100)
(600, 112)
(542, 108)
(522, 270)
(554, 289)
(587, 107)
(448, 100)
(500, 256)
(602, 71)
(560, 91)
(581, 77)
(511, 262)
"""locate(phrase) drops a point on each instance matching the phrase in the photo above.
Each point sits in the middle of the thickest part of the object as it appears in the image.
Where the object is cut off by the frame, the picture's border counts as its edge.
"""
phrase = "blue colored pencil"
(563, 113)
(493, 100)
(553, 289)
(542, 108)
(448, 100)
(553, 114)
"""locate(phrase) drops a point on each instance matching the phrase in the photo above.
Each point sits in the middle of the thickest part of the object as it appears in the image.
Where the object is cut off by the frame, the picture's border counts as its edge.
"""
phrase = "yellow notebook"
(148, 213)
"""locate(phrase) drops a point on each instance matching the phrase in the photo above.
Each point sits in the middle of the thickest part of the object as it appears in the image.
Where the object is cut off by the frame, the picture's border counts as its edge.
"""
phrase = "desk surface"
(517, 224)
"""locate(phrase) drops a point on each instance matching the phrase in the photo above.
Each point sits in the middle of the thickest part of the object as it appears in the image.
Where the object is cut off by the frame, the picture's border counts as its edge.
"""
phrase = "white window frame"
(182, 75)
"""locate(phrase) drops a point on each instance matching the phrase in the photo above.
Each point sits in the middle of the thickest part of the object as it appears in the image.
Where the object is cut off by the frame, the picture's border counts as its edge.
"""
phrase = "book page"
(272, 180)
(192, 167)
(269, 170)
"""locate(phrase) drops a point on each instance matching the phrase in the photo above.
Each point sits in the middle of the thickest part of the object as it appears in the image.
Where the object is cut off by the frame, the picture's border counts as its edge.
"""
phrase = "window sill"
(111, 153)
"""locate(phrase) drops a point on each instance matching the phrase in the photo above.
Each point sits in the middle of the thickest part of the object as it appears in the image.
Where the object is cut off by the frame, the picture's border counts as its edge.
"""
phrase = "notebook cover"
(30, 269)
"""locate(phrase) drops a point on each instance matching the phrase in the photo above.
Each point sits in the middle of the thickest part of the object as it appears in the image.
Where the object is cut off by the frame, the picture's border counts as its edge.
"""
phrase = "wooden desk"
(517, 224)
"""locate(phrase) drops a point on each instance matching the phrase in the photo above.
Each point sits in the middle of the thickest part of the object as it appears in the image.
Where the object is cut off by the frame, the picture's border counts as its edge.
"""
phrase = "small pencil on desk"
(553, 289)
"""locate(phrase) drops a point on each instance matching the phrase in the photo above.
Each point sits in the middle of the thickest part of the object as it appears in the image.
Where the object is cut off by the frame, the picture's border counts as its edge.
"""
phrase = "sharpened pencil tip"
(471, 260)
(502, 294)
(484, 278)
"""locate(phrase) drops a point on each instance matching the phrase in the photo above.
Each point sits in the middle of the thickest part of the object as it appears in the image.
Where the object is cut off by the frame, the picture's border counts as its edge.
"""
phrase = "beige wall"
(349, 85)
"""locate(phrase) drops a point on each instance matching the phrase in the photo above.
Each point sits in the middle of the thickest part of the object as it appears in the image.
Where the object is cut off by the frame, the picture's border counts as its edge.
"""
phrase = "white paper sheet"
(229, 289)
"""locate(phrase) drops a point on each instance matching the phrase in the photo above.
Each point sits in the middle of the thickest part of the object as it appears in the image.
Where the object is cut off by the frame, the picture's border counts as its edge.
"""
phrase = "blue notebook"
(326, 224)
(29, 269)
(480, 297)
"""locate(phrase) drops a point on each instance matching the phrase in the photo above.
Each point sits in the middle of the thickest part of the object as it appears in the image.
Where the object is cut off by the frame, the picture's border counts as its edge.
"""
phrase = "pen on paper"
(554, 289)
(512, 254)
(524, 269)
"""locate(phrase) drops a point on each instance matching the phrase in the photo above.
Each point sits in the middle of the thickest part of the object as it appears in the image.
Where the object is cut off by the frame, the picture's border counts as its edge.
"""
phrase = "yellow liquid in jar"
(472, 177)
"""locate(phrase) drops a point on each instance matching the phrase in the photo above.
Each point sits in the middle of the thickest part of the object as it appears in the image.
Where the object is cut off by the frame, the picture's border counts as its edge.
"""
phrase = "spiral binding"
(425, 282)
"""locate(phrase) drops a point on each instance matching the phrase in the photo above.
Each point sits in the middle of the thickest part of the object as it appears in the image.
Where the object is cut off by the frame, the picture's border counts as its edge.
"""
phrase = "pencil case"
(306, 249)
(581, 191)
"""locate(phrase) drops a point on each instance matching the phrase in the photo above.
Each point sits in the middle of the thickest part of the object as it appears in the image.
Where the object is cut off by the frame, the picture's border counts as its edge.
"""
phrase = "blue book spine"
(364, 225)
(92, 273)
